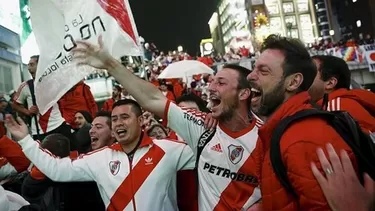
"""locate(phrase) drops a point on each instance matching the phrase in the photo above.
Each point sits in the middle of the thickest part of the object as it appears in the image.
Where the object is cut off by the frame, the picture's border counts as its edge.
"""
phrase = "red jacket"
(79, 98)
(298, 149)
(108, 105)
(13, 154)
(357, 102)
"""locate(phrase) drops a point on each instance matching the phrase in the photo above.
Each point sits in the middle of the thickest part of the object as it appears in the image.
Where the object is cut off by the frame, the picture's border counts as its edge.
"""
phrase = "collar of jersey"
(146, 141)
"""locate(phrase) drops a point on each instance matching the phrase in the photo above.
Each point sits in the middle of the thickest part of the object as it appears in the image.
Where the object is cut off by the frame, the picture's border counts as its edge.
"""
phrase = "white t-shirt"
(47, 122)
(226, 176)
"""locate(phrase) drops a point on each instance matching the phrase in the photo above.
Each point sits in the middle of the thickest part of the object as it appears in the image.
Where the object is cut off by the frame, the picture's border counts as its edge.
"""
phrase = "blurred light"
(320, 38)
(331, 32)
(359, 23)
(180, 48)
(256, 11)
(354, 1)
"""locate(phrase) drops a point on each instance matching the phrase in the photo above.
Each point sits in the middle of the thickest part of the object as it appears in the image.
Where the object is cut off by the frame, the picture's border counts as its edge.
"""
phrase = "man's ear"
(140, 120)
(331, 83)
(293, 82)
(244, 94)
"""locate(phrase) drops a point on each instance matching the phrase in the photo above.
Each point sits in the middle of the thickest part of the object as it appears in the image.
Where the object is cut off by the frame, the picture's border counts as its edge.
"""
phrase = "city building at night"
(292, 18)
(230, 25)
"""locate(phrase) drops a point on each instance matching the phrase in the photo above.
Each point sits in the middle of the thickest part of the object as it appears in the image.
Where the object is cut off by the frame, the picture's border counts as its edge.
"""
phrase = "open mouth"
(214, 101)
(121, 132)
(256, 94)
(94, 139)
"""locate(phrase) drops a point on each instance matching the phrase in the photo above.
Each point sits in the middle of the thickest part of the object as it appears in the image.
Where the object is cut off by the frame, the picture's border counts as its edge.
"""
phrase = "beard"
(229, 108)
(272, 100)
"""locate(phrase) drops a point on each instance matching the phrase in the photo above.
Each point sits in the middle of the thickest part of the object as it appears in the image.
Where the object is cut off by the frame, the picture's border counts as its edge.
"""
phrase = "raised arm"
(60, 170)
(146, 94)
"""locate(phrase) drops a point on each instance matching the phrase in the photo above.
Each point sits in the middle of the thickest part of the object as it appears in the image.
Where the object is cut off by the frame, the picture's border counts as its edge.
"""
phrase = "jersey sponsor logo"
(114, 167)
(235, 153)
(227, 173)
(217, 148)
(193, 119)
(148, 161)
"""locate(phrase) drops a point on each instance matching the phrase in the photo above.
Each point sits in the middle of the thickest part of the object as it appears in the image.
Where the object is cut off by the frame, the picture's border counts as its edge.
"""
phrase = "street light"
(331, 32)
(180, 48)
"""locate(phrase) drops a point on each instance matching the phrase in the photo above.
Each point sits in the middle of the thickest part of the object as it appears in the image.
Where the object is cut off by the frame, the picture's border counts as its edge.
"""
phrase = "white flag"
(57, 24)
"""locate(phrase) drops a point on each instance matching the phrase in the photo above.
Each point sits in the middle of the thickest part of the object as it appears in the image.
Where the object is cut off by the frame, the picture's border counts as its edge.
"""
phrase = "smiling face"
(267, 82)
(100, 133)
(126, 125)
(224, 93)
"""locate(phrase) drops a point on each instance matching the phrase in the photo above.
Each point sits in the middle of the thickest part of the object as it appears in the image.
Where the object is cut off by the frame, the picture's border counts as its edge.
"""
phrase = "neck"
(132, 145)
(239, 121)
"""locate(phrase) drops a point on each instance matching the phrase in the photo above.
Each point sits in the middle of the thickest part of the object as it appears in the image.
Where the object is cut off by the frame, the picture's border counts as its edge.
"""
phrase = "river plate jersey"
(226, 173)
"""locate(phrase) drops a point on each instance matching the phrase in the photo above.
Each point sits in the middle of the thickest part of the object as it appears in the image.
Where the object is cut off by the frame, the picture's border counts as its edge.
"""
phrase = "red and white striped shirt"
(226, 174)
(148, 182)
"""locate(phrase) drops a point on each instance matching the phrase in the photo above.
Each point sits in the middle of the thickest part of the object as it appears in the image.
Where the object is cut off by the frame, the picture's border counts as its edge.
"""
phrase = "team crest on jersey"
(235, 153)
(114, 167)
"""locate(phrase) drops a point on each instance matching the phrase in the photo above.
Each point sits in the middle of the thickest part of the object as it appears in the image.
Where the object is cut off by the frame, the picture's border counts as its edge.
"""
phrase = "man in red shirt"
(116, 95)
(79, 98)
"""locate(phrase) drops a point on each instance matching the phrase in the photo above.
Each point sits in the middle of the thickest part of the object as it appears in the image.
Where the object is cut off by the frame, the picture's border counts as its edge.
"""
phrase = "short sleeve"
(187, 123)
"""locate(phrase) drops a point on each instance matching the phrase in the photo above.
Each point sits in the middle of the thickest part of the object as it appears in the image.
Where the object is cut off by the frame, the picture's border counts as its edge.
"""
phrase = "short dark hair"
(36, 57)
(57, 144)
(243, 73)
(86, 115)
(297, 58)
(195, 99)
(106, 114)
(332, 66)
(136, 108)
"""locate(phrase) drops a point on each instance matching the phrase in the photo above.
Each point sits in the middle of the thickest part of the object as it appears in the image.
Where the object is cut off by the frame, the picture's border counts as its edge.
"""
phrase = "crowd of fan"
(347, 41)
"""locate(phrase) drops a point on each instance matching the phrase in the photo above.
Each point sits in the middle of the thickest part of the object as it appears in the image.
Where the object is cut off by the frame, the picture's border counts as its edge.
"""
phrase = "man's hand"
(340, 184)
(34, 110)
(209, 122)
(88, 54)
(18, 129)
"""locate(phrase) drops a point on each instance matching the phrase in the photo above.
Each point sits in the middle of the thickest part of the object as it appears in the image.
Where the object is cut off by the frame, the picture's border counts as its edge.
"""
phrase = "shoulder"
(95, 153)
(309, 132)
(168, 141)
(169, 144)
(23, 86)
(342, 103)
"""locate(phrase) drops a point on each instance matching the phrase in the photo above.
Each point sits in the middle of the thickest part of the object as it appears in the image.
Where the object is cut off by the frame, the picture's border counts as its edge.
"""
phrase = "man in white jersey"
(226, 175)
(137, 173)
(23, 102)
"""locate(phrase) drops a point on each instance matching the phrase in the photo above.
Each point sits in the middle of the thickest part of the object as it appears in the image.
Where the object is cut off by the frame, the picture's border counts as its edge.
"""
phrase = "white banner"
(57, 24)
(370, 56)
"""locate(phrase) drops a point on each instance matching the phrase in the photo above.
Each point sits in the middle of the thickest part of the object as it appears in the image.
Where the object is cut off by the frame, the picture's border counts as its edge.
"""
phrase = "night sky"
(170, 23)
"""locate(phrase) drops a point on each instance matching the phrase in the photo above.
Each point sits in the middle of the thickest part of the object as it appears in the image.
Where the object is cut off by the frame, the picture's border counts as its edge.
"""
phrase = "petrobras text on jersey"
(223, 172)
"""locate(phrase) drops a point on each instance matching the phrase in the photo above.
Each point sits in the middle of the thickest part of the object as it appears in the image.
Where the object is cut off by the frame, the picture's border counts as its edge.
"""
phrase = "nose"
(92, 131)
(212, 87)
(252, 76)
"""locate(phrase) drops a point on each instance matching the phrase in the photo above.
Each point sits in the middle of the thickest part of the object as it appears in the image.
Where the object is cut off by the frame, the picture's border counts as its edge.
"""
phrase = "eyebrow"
(221, 78)
(122, 114)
